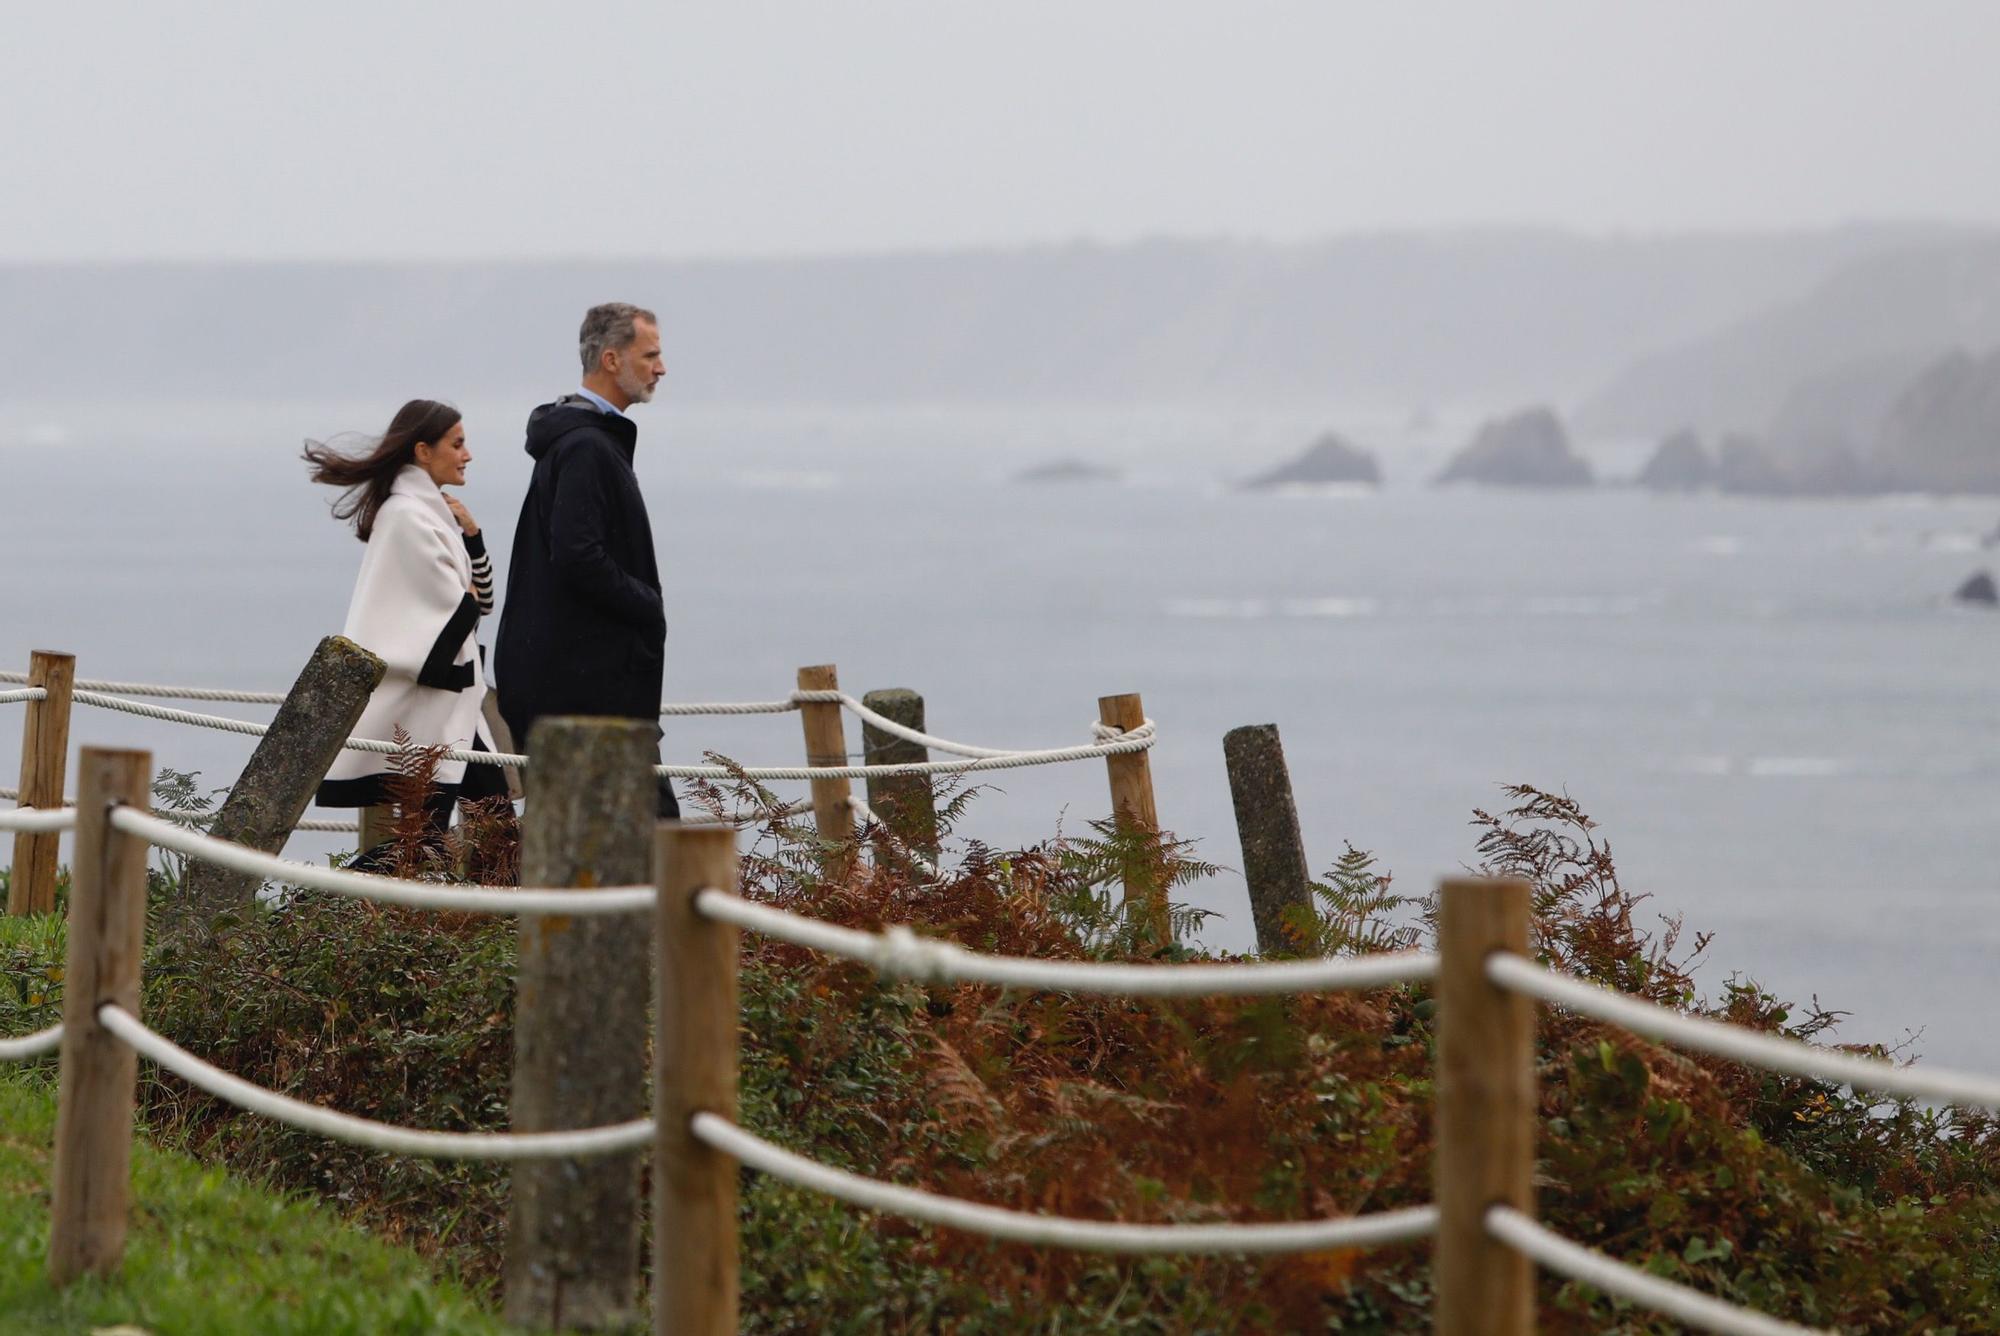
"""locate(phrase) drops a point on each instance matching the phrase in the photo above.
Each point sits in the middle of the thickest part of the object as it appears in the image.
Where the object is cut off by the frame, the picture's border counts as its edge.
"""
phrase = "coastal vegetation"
(210, 1253)
(1791, 1196)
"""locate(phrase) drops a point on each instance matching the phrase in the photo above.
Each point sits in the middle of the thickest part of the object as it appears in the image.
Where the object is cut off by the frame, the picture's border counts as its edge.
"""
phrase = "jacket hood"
(552, 421)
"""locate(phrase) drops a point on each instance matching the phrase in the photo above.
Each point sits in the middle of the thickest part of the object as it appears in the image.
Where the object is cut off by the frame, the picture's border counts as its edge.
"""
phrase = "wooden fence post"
(694, 1071)
(905, 803)
(377, 824)
(826, 744)
(44, 758)
(582, 987)
(1267, 826)
(274, 787)
(1132, 808)
(1485, 1112)
(107, 939)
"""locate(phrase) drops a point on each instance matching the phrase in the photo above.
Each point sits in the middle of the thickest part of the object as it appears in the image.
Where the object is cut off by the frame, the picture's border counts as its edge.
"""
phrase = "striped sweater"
(482, 572)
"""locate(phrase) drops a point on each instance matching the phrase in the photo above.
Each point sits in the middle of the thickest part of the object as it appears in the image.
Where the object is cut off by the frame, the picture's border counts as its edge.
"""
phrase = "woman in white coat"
(425, 582)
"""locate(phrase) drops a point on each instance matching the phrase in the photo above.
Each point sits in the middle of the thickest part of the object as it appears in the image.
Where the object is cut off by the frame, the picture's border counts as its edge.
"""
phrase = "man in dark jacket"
(584, 630)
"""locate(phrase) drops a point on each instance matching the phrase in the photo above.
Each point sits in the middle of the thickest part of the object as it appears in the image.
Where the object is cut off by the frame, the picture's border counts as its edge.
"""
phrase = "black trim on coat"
(480, 781)
(439, 671)
(367, 791)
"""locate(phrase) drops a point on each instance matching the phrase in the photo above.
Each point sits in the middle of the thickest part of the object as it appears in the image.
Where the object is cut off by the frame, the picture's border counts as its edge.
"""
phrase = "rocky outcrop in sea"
(1526, 449)
(1680, 463)
(1067, 470)
(1329, 459)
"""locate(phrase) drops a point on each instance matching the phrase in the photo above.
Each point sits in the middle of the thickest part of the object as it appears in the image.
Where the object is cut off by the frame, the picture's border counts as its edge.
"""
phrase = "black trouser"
(437, 819)
(669, 807)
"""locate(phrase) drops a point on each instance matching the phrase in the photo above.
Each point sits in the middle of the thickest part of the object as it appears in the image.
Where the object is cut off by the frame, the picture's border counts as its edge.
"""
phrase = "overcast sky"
(475, 130)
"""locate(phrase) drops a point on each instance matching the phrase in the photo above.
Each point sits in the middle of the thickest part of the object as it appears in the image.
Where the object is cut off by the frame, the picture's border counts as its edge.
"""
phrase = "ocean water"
(1787, 732)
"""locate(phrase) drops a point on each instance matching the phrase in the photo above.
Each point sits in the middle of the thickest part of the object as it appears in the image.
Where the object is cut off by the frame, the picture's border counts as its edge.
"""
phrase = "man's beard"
(640, 391)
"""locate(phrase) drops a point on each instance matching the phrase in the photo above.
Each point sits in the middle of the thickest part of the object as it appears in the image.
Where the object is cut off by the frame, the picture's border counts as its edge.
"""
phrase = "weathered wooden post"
(582, 986)
(317, 715)
(1267, 826)
(107, 938)
(826, 744)
(44, 758)
(1485, 1113)
(376, 825)
(1132, 808)
(904, 802)
(694, 1071)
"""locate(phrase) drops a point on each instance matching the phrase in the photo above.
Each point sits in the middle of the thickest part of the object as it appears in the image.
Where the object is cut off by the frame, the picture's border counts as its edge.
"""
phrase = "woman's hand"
(462, 515)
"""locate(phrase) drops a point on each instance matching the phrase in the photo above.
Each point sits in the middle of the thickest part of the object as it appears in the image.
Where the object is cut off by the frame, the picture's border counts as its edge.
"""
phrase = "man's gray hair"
(609, 326)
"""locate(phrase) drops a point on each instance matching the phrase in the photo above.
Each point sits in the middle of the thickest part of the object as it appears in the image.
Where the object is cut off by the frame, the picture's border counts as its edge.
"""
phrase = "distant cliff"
(1860, 333)
(1937, 430)
(1462, 317)
(1943, 432)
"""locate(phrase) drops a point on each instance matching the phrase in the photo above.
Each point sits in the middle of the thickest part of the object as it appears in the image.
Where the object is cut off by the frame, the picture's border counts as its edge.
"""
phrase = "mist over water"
(1786, 731)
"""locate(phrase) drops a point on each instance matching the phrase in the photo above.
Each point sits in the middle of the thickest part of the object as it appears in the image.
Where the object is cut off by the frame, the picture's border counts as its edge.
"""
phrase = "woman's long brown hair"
(366, 478)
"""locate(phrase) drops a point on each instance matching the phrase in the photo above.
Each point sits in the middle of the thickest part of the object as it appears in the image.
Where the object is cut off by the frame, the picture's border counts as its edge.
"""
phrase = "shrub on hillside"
(1789, 1195)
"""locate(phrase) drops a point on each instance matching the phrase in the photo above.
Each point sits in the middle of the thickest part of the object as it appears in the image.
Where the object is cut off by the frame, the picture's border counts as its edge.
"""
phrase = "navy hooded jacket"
(583, 629)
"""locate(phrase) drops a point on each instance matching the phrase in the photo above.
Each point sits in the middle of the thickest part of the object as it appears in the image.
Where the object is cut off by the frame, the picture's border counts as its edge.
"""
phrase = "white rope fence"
(1735, 1043)
(729, 707)
(748, 817)
(27, 1046)
(190, 818)
(169, 714)
(38, 820)
(176, 693)
(1108, 742)
(900, 953)
(318, 826)
(1110, 1236)
(892, 727)
(224, 724)
(366, 1132)
(1593, 1268)
(385, 890)
(163, 691)
(1111, 742)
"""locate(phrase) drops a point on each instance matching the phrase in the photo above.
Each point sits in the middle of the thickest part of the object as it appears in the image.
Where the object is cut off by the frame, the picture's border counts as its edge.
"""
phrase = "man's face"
(638, 366)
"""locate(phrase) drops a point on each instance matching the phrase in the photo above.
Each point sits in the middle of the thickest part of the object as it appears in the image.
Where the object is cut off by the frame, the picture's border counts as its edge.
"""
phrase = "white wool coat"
(410, 597)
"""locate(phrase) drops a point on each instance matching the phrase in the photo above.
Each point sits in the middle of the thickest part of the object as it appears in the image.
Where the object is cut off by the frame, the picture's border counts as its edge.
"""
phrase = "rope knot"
(1102, 733)
(904, 955)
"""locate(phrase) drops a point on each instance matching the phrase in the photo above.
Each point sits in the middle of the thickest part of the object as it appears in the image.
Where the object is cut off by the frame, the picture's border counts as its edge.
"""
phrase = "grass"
(208, 1255)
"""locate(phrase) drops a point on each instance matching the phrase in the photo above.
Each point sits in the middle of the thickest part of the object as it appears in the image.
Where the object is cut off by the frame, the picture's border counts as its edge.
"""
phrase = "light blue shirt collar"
(603, 404)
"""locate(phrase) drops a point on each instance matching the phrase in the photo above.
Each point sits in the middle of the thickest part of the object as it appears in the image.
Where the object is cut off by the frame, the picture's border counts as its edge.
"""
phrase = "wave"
(1327, 607)
(1258, 608)
(1717, 766)
(1239, 609)
(1324, 491)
